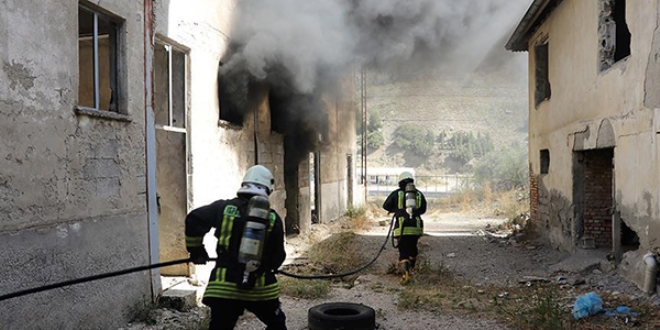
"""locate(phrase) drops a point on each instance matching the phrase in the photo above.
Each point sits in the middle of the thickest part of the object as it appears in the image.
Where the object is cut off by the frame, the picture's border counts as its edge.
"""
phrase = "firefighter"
(408, 204)
(250, 249)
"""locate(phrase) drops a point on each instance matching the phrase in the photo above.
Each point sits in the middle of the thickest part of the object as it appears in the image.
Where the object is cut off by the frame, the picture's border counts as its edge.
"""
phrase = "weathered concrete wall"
(72, 187)
(341, 142)
(573, 119)
(220, 152)
(41, 256)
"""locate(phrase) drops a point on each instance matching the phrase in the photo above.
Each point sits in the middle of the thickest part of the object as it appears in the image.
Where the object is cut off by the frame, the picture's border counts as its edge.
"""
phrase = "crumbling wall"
(334, 172)
(582, 98)
(72, 186)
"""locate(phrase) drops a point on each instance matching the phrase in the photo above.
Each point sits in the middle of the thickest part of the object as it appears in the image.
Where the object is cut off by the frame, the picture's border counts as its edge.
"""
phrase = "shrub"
(414, 138)
(505, 169)
(375, 139)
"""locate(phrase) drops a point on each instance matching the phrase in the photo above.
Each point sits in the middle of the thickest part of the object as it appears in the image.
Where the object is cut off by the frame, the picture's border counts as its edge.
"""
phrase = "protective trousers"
(225, 313)
(408, 249)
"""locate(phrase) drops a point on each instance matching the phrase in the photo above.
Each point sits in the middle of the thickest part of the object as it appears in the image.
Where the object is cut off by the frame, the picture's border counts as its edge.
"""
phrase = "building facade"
(112, 130)
(594, 119)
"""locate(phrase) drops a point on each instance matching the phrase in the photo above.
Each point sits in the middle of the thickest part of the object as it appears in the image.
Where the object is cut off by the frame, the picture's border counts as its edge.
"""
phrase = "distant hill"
(492, 101)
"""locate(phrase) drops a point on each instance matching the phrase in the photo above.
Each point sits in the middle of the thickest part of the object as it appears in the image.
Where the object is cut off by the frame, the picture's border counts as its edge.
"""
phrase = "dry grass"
(507, 204)
(336, 254)
(357, 219)
(304, 289)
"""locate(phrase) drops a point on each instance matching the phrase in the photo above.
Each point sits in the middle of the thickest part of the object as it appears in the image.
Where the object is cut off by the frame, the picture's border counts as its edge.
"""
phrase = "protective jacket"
(227, 216)
(405, 225)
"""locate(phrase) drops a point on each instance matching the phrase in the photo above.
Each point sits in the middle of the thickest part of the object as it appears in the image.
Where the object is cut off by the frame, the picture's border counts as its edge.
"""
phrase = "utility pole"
(364, 132)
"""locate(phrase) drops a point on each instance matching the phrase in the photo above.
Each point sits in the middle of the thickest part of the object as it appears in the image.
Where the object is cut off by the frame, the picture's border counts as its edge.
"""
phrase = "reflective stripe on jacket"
(225, 217)
(404, 224)
(223, 286)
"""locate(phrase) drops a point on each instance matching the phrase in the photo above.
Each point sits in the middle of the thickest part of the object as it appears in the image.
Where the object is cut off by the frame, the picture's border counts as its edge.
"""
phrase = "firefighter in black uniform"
(408, 204)
(250, 248)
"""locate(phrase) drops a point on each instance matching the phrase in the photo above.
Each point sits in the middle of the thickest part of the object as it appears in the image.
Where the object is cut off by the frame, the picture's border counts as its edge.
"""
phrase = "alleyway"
(477, 269)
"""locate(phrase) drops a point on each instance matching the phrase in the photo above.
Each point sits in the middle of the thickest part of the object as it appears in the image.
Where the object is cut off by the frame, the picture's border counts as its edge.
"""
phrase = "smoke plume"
(301, 49)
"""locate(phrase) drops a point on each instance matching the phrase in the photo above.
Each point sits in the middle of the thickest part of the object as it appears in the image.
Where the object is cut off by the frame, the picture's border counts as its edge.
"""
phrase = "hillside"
(491, 102)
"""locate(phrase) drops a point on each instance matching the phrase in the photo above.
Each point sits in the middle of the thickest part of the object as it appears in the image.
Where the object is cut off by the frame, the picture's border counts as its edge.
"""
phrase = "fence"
(436, 186)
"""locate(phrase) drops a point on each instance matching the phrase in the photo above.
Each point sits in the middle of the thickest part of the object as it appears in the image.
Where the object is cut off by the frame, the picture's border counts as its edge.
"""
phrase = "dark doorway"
(593, 194)
(292, 186)
(349, 180)
(316, 156)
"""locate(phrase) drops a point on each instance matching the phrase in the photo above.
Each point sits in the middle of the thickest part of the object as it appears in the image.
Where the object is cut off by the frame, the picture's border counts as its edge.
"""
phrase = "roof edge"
(537, 13)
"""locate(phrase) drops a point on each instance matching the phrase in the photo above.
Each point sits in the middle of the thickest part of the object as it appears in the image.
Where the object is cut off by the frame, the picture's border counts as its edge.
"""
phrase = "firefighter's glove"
(198, 255)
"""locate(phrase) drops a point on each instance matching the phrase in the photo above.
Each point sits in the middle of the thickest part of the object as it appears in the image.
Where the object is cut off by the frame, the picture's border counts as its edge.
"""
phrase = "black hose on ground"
(176, 262)
(93, 278)
(357, 270)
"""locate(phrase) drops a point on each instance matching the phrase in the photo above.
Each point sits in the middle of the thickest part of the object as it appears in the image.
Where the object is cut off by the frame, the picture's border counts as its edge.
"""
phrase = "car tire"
(341, 316)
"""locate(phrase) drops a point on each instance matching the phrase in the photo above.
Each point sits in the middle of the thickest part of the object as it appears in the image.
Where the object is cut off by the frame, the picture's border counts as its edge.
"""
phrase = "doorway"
(172, 153)
(593, 195)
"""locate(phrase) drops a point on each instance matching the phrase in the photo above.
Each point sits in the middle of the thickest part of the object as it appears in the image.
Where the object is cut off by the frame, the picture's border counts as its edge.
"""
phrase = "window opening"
(97, 61)
(543, 91)
(545, 161)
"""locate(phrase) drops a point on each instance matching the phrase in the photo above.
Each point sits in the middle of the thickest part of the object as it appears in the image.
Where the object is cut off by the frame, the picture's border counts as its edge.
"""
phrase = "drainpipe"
(651, 273)
(150, 146)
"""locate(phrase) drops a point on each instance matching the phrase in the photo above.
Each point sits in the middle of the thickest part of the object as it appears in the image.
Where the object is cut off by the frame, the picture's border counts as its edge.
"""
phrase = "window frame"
(542, 87)
(115, 109)
(170, 47)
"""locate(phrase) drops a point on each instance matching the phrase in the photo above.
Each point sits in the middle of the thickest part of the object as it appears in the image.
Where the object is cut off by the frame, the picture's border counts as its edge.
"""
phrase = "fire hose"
(183, 261)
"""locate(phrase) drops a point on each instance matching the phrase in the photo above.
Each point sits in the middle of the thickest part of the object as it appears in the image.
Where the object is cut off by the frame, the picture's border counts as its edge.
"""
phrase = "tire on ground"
(338, 315)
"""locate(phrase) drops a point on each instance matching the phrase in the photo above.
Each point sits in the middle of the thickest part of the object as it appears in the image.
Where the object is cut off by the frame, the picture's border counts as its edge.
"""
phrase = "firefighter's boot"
(406, 271)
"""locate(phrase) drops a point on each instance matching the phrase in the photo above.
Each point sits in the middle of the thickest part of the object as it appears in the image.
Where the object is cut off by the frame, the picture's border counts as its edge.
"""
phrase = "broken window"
(97, 60)
(229, 112)
(170, 86)
(614, 36)
(545, 161)
(277, 105)
(541, 72)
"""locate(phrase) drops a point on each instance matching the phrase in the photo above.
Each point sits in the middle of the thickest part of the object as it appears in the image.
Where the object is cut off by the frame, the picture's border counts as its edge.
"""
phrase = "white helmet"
(257, 181)
(405, 175)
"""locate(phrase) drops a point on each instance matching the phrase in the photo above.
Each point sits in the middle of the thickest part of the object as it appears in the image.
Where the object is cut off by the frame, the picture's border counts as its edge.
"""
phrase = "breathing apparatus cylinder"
(411, 198)
(254, 236)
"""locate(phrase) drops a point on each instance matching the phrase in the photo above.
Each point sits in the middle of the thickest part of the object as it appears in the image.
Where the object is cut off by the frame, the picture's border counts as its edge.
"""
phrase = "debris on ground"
(587, 305)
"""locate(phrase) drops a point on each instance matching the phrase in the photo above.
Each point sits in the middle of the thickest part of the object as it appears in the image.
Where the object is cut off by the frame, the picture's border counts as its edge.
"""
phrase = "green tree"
(414, 138)
(505, 169)
(375, 139)
(375, 122)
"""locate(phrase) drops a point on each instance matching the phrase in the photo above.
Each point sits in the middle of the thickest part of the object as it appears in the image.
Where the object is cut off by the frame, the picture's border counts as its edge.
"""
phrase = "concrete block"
(101, 168)
(107, 187)
(181, 299)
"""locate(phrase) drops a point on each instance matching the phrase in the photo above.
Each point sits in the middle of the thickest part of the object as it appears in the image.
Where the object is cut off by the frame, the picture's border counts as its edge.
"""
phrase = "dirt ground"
(455, 242)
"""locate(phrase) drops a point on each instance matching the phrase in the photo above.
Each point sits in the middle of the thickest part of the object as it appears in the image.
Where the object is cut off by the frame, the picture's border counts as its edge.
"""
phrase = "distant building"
(385, 175)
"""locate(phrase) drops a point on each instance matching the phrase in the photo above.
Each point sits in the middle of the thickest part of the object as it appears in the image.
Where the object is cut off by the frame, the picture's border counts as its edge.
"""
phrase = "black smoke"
(301, 49)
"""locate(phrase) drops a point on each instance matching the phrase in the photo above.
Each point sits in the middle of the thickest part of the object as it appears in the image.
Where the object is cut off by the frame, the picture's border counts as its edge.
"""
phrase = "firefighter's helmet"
(406, 176)
(258, 180)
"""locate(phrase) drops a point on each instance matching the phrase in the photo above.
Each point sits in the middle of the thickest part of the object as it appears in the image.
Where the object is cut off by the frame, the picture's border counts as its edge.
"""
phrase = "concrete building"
(594, 119)
(111, 131)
